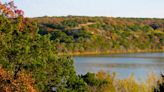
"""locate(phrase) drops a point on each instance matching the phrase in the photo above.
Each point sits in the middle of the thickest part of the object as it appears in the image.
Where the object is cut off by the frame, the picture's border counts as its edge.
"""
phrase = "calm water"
(140, 64)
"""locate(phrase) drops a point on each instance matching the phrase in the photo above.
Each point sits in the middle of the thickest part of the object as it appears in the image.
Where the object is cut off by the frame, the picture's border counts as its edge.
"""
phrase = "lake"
(124, 65)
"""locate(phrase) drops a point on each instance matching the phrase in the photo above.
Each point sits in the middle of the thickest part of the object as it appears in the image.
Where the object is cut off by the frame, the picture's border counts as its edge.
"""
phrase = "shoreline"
(110, 52)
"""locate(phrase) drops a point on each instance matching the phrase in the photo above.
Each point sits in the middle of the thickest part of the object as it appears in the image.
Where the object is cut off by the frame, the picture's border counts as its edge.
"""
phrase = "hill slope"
(94, 35)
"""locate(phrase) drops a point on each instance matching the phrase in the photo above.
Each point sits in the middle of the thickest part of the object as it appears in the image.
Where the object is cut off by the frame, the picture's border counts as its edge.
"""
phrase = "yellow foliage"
(125, 85)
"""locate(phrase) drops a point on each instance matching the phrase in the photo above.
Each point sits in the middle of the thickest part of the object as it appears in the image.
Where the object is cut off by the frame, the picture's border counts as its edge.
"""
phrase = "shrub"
(24, 82)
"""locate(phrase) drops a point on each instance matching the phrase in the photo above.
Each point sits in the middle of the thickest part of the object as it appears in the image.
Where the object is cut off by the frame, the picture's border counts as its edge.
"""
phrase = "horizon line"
(95, 16)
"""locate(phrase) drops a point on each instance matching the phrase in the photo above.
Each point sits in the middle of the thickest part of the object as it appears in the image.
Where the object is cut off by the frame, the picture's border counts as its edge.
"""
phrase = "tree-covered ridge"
(103, 34)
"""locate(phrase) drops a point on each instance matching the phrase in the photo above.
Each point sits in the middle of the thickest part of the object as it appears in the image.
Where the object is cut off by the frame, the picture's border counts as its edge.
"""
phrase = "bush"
(160, 86)
(24, 82)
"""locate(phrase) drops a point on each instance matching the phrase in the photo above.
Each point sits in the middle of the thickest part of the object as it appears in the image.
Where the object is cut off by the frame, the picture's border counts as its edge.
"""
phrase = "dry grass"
(126, 85)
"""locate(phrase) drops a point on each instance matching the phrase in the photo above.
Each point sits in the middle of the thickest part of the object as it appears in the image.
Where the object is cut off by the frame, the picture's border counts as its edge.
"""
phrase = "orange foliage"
(10, 10)
(6, 11)
(50, 29)
(23, 83)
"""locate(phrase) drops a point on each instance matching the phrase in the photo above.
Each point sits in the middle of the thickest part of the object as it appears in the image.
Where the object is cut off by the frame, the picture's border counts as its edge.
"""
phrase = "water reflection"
(140, 65)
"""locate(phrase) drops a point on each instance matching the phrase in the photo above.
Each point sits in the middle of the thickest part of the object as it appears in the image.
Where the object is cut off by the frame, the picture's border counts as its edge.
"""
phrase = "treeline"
(93, 35)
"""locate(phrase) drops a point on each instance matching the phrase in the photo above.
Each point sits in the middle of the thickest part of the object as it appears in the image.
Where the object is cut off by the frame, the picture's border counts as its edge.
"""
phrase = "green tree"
(29, 52)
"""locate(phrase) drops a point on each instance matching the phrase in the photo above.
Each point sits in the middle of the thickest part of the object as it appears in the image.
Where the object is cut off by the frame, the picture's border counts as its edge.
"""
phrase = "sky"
(112, 8)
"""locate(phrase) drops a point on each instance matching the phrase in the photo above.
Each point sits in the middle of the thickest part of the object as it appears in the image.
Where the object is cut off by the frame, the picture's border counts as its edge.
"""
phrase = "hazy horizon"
(109, 8)
(93, 16)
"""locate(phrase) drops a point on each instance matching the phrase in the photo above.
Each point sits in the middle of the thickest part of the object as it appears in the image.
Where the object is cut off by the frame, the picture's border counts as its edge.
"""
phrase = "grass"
(129, 84)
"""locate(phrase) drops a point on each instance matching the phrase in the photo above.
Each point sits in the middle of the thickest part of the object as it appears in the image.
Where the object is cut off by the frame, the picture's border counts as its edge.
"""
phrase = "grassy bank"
(102, 82)
(110, 52)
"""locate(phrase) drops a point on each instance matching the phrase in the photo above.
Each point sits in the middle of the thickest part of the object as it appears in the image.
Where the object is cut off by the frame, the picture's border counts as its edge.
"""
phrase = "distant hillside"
(93, 35)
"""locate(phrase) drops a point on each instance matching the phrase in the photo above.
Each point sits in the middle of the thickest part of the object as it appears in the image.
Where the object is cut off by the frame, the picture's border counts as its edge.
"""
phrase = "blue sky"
(114, 8)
